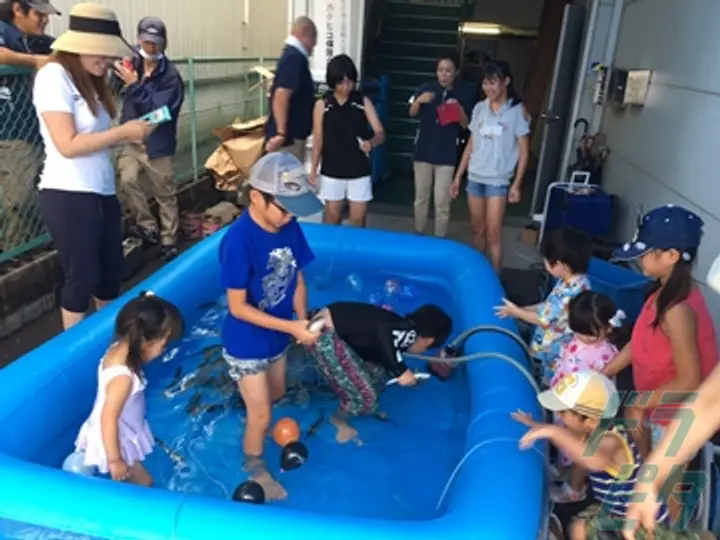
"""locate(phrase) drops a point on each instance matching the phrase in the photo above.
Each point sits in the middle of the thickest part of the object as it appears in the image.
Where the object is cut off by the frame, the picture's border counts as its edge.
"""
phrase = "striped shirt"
(613, 488)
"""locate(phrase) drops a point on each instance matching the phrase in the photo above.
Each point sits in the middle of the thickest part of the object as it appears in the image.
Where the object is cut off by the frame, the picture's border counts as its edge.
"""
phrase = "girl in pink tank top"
(673, 346)
(115, 438)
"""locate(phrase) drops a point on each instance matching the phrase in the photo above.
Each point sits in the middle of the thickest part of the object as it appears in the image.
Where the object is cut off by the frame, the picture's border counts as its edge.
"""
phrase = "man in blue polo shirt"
(152, 82)
(23, 44)
(292, 97)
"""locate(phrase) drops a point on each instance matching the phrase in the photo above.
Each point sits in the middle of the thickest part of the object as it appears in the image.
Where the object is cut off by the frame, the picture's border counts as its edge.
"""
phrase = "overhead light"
(481, 29)
(490, 29)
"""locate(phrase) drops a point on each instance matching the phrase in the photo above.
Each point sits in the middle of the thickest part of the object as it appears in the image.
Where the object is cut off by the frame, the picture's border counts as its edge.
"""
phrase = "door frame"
(583, 74)
(539, 190)
(581, 86)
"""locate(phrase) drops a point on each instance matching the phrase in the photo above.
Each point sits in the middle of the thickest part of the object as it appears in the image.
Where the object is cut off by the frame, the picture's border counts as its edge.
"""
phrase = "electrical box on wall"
(629, 87)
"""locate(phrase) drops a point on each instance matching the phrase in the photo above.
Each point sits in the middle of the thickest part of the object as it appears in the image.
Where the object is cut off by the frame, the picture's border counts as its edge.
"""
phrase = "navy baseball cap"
(283, 175)
(44, 7)
(152, 29)
(666, 227)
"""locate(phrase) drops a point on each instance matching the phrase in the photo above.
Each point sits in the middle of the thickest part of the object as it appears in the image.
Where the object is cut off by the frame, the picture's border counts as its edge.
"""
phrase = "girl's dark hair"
(569, 246)
(590, 313)
(144, 319)
(499, 69)
(6, 10)
(339, 68)
(431, 322)
(676, 289)
(449, 55)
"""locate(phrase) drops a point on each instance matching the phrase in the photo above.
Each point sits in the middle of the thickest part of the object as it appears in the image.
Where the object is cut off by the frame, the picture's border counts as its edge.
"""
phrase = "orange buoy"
(286, 431)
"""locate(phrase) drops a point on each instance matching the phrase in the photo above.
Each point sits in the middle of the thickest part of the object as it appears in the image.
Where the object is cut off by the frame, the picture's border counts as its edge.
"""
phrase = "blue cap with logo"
(666, 227)
(152, 29)
(283, 175)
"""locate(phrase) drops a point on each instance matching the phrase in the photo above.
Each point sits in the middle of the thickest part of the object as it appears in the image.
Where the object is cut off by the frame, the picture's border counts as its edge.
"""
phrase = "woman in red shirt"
(673, 346)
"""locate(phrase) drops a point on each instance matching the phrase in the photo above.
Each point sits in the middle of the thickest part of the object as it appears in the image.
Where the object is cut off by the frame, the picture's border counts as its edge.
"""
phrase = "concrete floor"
(517, 255)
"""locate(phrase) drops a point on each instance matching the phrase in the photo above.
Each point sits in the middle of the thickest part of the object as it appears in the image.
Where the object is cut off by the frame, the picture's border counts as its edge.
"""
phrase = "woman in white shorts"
(346, 128)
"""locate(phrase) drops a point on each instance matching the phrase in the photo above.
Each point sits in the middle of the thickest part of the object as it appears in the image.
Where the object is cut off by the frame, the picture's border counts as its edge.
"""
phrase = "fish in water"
(383, 417)
(236, 401)
(177, 376)
(193, 406)
(216, 407)
(176, 458)
(210, 305)
(206, 375)
(225, 385)
(212, 355)
(315, 426)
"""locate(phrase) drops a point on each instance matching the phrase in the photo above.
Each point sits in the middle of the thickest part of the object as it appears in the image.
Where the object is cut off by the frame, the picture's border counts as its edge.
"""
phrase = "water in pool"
(399, 469)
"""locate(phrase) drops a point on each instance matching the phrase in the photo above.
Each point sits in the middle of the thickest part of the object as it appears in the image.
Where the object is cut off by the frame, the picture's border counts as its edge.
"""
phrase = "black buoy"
(293, 456)
(249, 492)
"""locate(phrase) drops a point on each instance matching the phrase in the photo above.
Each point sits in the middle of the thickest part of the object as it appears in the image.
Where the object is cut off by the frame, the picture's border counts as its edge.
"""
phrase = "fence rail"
(217, 91)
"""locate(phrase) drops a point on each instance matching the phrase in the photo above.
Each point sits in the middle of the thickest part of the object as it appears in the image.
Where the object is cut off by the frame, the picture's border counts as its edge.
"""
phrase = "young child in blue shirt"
(262, 257)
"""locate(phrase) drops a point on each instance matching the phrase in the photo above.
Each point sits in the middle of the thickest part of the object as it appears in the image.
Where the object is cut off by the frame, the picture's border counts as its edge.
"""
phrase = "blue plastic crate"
(626, 287)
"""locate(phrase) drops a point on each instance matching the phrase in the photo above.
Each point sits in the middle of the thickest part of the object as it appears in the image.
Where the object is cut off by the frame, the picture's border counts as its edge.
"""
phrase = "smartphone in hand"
(158, 116)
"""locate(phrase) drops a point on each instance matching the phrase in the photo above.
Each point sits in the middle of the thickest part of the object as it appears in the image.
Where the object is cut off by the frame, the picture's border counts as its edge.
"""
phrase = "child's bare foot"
(272, 488)
(345, 433)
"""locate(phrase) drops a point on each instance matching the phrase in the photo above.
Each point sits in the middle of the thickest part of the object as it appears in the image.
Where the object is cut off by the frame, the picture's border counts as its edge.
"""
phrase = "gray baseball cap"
(152, 29)
(283, 176)
(44, 7)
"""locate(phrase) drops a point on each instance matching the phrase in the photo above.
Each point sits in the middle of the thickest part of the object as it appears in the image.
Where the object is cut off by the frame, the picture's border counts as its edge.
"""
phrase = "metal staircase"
(412, 35)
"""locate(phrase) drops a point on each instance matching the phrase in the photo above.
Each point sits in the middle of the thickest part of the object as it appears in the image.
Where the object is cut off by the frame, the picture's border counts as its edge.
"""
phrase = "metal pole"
(263, 95)
(193, 119)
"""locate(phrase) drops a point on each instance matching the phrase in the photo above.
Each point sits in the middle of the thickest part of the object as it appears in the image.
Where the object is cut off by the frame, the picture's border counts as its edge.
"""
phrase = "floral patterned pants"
(357, 383)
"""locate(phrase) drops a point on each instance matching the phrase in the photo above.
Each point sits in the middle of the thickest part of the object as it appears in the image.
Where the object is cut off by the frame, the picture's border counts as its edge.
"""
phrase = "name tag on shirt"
(491, 131)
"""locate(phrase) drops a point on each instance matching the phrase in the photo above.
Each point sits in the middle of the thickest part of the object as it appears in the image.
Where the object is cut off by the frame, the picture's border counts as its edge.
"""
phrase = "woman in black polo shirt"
(346, 128)
(436, 144)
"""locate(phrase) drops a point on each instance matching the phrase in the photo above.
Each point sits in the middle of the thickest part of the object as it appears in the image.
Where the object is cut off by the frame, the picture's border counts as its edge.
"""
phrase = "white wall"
(667, 151)
(229, 28)
(601, 51)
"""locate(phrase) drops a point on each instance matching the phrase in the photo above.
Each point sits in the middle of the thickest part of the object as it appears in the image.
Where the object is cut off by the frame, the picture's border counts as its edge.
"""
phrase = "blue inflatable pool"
(490, 489)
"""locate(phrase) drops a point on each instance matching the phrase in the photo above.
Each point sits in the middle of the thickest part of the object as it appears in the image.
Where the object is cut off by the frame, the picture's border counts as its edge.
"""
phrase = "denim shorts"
(486, 191)
(242, 367)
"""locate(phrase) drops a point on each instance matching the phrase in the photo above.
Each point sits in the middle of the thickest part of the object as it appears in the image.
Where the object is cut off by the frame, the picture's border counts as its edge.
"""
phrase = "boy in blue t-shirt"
(262, 256)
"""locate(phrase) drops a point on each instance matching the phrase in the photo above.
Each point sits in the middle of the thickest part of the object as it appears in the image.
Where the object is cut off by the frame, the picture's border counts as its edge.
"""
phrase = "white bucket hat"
(93, 29)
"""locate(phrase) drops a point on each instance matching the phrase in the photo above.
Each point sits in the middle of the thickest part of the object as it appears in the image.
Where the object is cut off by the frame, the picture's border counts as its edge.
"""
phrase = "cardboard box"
(241, 146)
(529, 235)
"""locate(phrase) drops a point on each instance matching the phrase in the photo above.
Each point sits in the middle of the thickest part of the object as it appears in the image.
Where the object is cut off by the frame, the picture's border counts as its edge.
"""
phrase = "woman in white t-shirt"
(495, 158)
(77, 187)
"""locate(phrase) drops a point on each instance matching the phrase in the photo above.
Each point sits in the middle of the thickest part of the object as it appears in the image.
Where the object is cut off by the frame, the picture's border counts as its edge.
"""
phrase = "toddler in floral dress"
(592, 318)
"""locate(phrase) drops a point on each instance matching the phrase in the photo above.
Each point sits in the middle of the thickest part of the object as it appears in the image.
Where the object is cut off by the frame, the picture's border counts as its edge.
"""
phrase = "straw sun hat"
(93, 29)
